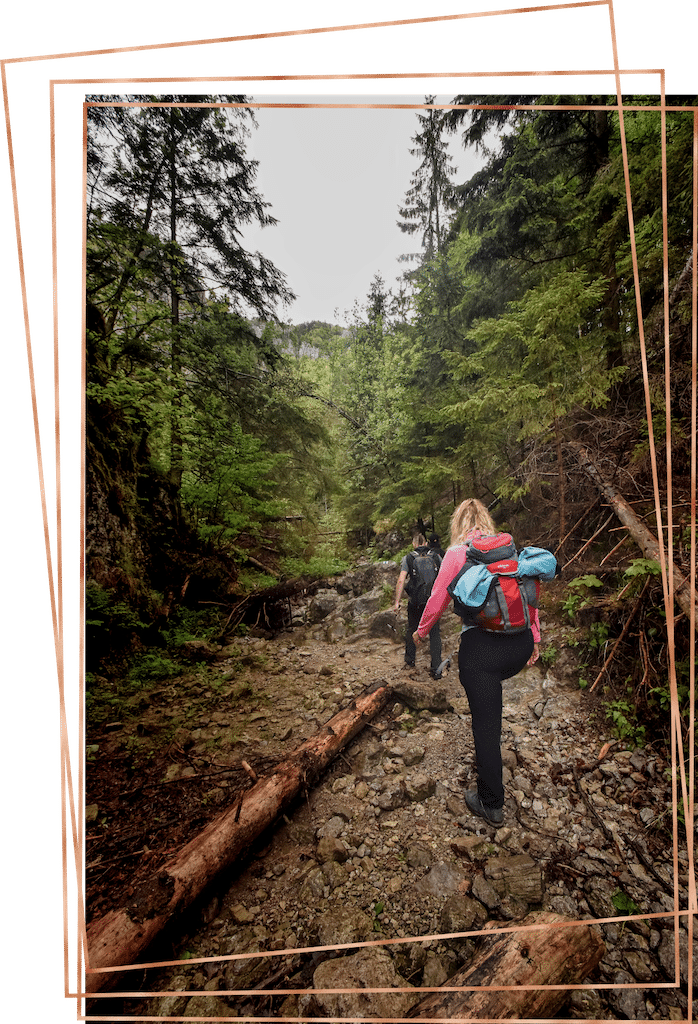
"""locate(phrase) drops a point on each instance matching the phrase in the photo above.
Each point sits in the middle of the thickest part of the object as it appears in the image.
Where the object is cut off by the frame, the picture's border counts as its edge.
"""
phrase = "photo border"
(71, 774)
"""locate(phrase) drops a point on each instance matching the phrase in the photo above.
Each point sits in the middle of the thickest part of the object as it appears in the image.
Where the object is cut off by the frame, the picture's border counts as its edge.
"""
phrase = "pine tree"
(176, 186)
(428, 200)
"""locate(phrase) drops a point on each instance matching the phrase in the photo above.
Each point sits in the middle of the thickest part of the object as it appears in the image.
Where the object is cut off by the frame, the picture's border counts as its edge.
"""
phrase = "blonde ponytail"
(471, 514)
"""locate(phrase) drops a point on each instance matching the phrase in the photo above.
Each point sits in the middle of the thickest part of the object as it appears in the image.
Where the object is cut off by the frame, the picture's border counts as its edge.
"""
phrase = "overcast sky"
(335, 179)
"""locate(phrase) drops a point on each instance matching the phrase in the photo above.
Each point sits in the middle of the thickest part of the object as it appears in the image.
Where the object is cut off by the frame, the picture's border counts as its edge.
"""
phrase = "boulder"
(385, 624)
(244, 973)
(419, 696)
(364, 605)
(519, 876)
(344, 925)
(443, 877)
(321, 606)
(369, 968)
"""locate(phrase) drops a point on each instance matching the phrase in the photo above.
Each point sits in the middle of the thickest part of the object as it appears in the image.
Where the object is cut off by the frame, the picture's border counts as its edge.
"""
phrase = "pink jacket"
(452, 562)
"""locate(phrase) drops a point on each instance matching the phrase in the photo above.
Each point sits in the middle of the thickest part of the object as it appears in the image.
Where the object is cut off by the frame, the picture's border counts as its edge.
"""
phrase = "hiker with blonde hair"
(485, 659)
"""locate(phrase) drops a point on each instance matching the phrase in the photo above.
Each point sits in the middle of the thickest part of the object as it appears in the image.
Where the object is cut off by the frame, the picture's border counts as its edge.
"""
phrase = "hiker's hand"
(396, 607)
(416, 637)
(535, 656)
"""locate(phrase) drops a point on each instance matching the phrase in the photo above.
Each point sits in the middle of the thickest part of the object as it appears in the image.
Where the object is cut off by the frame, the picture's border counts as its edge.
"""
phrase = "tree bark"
(548, 956)
(644, 538)
(120, 936)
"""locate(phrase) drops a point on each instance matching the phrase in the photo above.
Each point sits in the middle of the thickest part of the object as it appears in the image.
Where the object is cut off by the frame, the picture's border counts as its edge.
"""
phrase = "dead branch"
(626, 627)
(646, 541)
(588, 542)
(620, 544)
(606, 830)
(577, 524)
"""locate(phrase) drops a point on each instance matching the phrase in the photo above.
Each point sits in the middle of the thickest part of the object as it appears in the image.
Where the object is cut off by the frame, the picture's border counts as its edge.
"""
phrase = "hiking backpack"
(423, 570)
(497, 587)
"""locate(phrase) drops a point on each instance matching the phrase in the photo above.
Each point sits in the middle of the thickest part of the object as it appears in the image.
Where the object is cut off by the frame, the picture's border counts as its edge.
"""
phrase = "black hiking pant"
(484, 660)
(414, 614)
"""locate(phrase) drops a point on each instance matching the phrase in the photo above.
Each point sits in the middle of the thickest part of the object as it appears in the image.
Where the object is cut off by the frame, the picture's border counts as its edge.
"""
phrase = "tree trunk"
(176, 447)
(120, 936)
(548, 956)
(643, 537)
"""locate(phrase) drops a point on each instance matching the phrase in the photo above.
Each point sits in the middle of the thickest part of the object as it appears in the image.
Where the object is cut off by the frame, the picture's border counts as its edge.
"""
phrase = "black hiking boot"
(493, 815)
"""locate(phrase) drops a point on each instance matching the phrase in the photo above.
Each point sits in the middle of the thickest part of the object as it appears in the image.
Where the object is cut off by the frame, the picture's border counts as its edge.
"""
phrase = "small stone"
(441, 878)
(241, 915)
(420, 787)
(456, 806)
(639, 965)
(472, 847)
(413, 755)
(332, 828)
(434, 974)
(330, 848)
(517, 876)
(335, 873)
(419, 857)
(485, 893)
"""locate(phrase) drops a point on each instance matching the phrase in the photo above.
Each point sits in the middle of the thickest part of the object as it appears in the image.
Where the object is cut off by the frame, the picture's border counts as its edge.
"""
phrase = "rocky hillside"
(384, 848)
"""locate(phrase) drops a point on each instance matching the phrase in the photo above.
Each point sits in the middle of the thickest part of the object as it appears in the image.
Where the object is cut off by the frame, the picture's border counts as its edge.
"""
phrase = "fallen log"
(558, 953)
(120, 936)
(644, 538)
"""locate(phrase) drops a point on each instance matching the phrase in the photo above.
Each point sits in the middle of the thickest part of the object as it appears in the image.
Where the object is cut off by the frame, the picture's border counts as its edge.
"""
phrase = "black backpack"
(423, 568)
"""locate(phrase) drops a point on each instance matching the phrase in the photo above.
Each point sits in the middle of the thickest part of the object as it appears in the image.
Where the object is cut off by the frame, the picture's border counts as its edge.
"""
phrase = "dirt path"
(383, 847)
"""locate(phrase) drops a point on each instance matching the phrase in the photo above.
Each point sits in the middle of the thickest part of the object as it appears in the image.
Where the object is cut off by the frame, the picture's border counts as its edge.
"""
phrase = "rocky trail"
(382, 848)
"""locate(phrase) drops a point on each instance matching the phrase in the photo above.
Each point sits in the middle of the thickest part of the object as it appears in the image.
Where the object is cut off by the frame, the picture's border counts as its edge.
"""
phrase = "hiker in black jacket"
(419, 568)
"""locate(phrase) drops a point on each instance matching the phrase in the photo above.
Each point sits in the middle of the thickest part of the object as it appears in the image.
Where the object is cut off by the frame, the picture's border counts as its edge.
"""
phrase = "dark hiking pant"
(414, 614)
(484, 660)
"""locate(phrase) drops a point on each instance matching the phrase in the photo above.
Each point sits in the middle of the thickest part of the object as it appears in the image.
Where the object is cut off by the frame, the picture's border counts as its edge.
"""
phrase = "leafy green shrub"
(189, 624)
(150, 666)
(580, 593)
(251, 579)
(623, 716)
(643, 567)
(317, 565)
(637, 572)
(102, 609)
(598, 634)
(103, 699)
(549, 655)
(621, 901)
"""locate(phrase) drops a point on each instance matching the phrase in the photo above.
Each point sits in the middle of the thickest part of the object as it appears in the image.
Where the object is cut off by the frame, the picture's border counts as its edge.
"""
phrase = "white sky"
(335, 179)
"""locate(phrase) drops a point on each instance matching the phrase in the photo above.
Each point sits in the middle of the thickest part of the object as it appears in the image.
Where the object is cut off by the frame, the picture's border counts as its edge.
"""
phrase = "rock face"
(352, 607)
